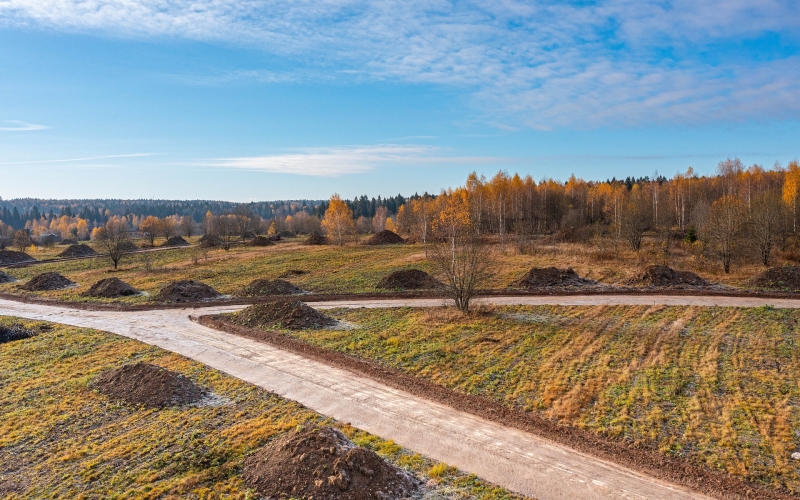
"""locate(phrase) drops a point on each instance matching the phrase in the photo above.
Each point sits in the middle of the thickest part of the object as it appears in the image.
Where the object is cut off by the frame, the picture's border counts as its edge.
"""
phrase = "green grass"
(718, 386)
(60, 439)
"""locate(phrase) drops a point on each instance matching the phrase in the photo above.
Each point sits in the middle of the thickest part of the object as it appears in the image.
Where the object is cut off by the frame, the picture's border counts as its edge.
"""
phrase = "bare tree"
(766, 223)
(724, 230)
(188, 226)
(635, 218)
(114, 237)
(168, 227)
(21, 240)
(227, 228)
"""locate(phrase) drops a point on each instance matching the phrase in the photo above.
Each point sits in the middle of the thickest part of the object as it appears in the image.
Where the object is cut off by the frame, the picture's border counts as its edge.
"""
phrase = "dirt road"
(514, 459)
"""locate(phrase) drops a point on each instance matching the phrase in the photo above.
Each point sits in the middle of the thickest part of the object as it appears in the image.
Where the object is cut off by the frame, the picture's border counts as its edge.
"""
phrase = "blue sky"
(258, 100)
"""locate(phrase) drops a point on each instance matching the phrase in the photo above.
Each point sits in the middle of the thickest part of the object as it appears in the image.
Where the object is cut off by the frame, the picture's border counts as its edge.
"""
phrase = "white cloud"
(71, 160)
(20, 126)
(545, 64)
(333, 162)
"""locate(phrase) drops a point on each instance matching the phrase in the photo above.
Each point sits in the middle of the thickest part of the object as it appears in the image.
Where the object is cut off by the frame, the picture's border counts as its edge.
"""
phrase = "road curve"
(508, 457)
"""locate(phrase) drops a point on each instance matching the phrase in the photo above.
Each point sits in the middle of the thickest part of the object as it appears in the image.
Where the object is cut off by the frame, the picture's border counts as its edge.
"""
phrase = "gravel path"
(514, 459)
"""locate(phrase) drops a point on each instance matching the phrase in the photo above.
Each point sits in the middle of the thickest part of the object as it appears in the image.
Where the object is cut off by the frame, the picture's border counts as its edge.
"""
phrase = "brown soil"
(78, 251)
(409, 279)
(323, 464)
(543, 277)
(260, 241)
(210, 241)
(110, 288)
(129, 246)
(316, 239)
(8, 257)
(6, 278)
(293, 272)
(14, 332)
(385, 237)
(68, 241)
(282, 313)
(264, 287)
(148, 385)
(649, 461)
(47, 281)
(784, 278)
(663, 276)
(186, 291)
(175, 241)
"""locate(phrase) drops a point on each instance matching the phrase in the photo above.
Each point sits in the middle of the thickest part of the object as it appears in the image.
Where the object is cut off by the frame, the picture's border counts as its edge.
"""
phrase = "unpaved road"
(514, 459)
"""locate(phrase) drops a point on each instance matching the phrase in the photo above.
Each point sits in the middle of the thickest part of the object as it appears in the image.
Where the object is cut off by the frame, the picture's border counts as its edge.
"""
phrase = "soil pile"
(5, 278)
(784, 278)
(323, 464)
(148, 385)
(260, 241)
(543, 277)
(8, 257)
(68, 241)
(663, 276)
(175, 241)
(77, 250)
(316, 239)
(282, 313)
(186, 291)
(409, 279)
(385, 237)
(263, 287)
(14, 332)
(110, 288)
(128, 246)
(47, 281)
(210, 241)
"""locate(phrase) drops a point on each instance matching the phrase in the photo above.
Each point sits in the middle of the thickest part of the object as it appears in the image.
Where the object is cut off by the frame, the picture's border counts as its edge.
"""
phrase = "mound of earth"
(186, 291)
(409, 279)
(8, 257)
(283, 313)
(68, 241)
(784, 278)
(14, 332)
(175, 241)
(110, 288)
(543, 277)
(663, 276)
(47, 281)
(385, 237)
(316, 239)
(260, 241)
(263, 287)
(210, 241)
(6, 278)
(128, 246)
(293, 272)
(77, 250)
(323, 464)
(148, 385)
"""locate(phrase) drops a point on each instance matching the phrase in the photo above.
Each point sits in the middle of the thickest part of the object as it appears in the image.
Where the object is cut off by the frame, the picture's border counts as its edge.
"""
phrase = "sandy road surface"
(514, 459)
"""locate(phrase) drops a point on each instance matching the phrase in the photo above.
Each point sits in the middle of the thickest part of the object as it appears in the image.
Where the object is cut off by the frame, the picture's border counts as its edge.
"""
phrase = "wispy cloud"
(337, 161)
(20, 126)
(72, 160)
(541, 64)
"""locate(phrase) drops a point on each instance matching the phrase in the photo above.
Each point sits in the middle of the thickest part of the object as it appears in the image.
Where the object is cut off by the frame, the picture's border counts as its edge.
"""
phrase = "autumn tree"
(379, 220)
(150, 228)
(724, 230)
(635, 217)
(21, 240)
(791, 190)
(168, 227)
(338, 220)
(114, 238)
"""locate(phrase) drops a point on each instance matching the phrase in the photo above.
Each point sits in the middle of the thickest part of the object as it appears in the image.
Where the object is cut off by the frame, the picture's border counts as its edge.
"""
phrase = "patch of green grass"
(60, 439)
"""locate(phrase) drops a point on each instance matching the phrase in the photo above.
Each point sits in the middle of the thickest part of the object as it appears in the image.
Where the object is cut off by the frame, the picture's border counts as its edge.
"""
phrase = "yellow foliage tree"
(338, 220)
(791, 190)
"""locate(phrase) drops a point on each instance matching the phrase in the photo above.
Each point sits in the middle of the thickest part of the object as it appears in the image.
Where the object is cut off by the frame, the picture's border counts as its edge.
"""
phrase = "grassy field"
(60, 439)
(352, 269)
(718, 386)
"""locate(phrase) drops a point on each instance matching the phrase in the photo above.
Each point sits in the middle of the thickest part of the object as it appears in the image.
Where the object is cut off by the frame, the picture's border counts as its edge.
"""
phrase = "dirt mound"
(784, 278)
(78, 251)
(663, 276)
(175, 241)
(293, 272)
(263, 287)
(409, 279)
(316, 239)
(148, 385)
(283, 313)
(186, 291)
(8, 257)
(210, 241)
(68, 241)
(385, 237)
(323, 464)
(5, 278)
(47, 281)
(128, 246)
(110, 288)
(260, 241)
(14, 332)
(542, 277)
